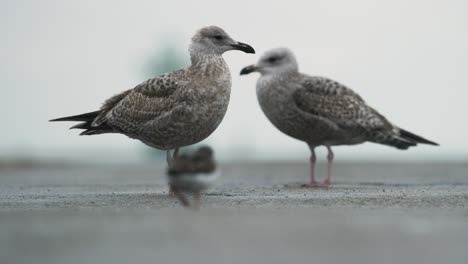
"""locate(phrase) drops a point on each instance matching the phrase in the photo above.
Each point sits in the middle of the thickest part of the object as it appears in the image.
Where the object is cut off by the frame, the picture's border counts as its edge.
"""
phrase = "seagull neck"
(283, 76)
(207, 62)
(204, 58)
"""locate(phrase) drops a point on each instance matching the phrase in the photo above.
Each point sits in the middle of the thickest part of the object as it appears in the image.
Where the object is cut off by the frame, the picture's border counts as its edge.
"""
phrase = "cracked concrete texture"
(373, 213)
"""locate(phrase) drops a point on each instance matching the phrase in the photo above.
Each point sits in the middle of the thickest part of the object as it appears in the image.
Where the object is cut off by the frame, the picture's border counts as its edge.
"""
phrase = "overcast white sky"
(408, 59)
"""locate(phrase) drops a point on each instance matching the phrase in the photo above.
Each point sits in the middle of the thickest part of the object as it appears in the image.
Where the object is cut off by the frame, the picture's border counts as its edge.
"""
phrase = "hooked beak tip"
(244, 47)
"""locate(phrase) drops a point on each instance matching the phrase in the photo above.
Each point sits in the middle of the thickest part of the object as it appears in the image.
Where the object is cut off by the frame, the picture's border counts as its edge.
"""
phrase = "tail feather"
(413, 137)
(83, 117)
(402, 139)
(91, 131)
(86, 123)
(399, 143)
(82, 125)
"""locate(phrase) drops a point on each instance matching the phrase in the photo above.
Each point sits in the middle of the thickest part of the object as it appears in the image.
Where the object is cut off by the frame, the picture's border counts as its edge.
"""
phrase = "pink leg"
(313, 161)
(313, 183)
(170, 162)
(176, 153)
(169, 158)
(327, 181)
(330, 157)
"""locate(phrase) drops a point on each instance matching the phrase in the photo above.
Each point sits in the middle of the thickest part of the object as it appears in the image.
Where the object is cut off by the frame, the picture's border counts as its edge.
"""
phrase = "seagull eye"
(218, 37)
(272, 59)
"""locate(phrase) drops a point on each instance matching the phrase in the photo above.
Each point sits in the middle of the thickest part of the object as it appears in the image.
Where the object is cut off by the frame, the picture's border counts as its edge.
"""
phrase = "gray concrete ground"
(374, 213)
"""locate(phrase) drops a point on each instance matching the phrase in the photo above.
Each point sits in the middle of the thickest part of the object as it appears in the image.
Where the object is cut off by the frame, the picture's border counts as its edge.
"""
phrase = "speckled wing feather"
(154, 99)
(331, 100)
(111, 102)
(340, 106)
(352, 118)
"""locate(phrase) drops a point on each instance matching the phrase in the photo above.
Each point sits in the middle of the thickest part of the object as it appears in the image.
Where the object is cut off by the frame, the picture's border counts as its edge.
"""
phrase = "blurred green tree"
(166, 59)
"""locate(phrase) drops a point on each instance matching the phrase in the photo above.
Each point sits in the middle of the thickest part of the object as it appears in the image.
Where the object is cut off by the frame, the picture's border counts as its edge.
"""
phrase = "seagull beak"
(243, 47)
(248, 69)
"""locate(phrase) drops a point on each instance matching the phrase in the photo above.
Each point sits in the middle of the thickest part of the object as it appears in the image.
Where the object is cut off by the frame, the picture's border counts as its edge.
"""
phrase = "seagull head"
(214, 40)
(275, 61)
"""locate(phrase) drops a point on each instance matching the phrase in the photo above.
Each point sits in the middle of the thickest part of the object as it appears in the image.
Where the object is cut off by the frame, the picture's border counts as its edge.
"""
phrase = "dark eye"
(273, 59)
(218, 37)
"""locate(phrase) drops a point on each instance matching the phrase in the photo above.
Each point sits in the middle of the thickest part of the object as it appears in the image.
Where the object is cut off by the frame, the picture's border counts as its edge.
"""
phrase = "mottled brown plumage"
(348, 119)
(320, 111)
(175, 109)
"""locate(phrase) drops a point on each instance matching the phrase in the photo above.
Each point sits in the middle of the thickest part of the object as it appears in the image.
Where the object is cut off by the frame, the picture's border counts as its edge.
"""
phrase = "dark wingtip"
(57, 119)
(408, 135)
(83, 125)
(88, 132)
(82, 117)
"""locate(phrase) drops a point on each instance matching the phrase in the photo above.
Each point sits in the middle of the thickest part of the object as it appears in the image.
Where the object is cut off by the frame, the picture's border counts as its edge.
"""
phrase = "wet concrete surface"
(373, 213)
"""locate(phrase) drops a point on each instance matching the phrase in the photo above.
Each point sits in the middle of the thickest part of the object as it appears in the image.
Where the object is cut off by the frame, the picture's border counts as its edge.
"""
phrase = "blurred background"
(408, 59)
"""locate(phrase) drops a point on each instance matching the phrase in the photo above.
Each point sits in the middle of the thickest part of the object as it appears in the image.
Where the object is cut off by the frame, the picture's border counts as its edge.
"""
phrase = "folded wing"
(350, 115)
(129, 111)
